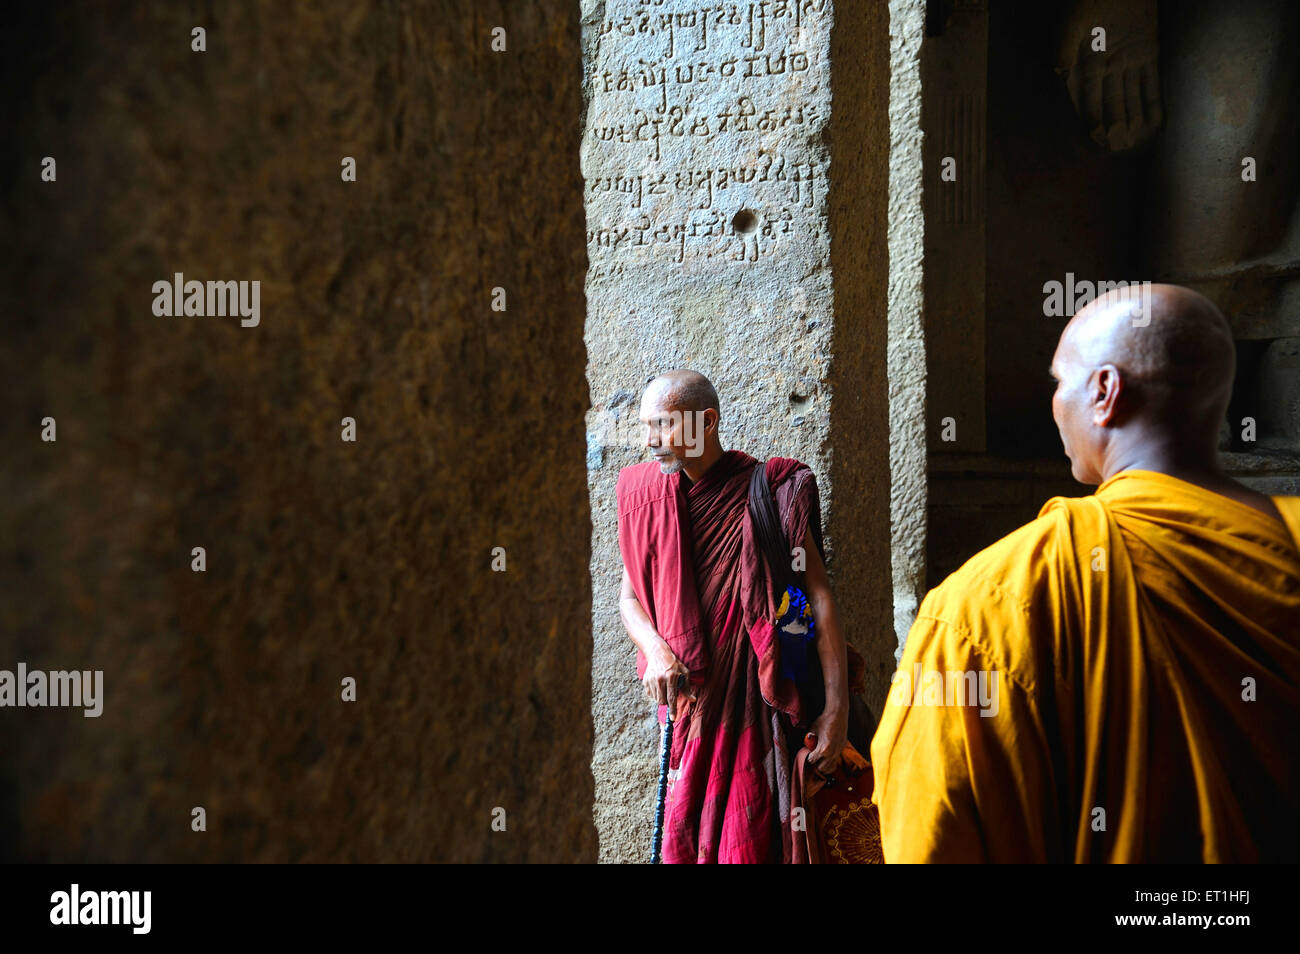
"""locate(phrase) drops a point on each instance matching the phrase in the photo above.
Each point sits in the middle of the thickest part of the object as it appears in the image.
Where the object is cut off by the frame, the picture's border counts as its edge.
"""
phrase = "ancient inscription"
(699, 188)
(691, 26)
(704, 132)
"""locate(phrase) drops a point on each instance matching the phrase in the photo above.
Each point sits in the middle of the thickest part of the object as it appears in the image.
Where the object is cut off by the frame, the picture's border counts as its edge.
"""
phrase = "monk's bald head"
(684, 390)
(680, 412)
(1182, 349)
(1157, 361)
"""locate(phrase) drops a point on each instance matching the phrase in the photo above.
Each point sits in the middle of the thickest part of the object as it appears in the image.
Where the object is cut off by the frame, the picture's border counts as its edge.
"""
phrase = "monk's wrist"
(661, 652)
(835, 711)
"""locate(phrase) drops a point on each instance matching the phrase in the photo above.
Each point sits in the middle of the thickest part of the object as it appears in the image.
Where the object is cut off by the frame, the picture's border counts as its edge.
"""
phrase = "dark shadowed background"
(325, 559)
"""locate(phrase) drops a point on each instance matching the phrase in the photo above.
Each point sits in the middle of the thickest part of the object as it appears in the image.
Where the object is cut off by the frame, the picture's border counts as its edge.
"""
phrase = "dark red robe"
(690, 552)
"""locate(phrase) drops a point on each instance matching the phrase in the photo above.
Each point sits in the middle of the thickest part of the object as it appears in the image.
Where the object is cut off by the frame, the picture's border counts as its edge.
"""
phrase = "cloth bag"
(840, 822)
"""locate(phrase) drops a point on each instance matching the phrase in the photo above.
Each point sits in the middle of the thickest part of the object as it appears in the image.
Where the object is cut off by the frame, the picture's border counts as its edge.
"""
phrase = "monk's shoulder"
(794, 476)
(994, 601)
(781, 470)
(793, 463)
(641, 484)
(1015, 562)
(636, 475)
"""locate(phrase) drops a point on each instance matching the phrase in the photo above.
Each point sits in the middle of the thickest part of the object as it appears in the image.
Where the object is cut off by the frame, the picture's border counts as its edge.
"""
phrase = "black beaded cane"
(665, 750)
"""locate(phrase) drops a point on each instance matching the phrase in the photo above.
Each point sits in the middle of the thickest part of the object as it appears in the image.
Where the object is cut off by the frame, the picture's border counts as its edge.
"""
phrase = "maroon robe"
(698, 573)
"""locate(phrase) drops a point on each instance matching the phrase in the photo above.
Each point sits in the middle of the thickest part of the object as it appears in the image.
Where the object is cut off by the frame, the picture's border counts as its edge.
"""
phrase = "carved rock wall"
(737, 225)
(325, 559)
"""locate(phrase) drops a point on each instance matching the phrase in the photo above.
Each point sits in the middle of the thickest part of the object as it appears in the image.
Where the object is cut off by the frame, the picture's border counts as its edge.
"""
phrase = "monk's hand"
(666, 679)
(832, 732)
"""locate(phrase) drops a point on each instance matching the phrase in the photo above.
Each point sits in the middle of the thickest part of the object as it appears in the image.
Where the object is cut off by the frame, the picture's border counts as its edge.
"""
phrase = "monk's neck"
(1202, 470)
(696, 467)
(1163, 455)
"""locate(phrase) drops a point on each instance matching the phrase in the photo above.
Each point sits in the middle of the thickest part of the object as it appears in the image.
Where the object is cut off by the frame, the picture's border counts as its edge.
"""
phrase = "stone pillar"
(907, 336)
(720, 239)
(326, 559)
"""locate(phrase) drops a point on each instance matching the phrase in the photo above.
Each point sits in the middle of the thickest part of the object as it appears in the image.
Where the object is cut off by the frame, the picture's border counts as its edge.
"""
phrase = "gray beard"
(672, 466)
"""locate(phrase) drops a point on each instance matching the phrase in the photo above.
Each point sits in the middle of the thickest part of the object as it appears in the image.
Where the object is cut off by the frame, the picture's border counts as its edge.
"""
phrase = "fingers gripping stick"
(665, 750)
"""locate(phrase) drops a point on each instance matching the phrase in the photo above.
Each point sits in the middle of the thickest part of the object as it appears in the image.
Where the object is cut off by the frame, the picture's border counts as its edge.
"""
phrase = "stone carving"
(703, 131)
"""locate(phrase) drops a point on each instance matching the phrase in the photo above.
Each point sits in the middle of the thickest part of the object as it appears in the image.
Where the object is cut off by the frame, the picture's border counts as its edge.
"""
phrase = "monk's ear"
(1107, 387)
(710, 420)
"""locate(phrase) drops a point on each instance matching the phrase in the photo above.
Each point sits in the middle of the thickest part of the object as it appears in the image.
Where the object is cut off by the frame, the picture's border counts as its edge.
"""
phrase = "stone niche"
(1123, 165)
(720, 238)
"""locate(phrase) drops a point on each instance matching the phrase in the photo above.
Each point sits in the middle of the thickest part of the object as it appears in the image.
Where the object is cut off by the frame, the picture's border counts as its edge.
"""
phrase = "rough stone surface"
(863, 264)
(906, 358)
(716, 232)
(325, 559)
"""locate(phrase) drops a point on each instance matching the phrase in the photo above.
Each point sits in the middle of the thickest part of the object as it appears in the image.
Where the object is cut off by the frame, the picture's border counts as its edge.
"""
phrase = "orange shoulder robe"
(1141, 658)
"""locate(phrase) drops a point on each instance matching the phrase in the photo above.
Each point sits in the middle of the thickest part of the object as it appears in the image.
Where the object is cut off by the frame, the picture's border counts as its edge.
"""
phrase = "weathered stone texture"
(325, 559)
(713, 223)
(906, 358)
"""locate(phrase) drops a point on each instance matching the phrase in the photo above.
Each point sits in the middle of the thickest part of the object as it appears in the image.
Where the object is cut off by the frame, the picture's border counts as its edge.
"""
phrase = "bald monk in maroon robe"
(698, 602)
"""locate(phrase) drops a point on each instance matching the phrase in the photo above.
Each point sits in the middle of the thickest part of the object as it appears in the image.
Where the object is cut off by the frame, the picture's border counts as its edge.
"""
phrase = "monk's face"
(1072, 409)
(672, 434)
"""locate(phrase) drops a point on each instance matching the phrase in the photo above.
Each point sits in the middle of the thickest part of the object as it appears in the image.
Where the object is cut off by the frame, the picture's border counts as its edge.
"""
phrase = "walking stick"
(665, 750)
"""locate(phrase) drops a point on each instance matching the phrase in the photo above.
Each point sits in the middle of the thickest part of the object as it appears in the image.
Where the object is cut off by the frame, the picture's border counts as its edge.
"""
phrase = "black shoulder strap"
(768, 533)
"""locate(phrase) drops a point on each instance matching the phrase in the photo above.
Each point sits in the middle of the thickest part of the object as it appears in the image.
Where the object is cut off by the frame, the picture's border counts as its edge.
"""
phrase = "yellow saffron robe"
(1144, 645)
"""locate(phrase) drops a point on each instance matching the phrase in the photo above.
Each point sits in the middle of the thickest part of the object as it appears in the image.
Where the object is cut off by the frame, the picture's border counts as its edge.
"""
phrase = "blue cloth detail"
(797, 632)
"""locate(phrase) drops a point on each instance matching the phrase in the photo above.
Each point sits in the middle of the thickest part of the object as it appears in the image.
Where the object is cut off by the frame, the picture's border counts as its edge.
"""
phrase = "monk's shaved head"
(685, 390)
(1156, 364)
(680, 412)
(1182, 358)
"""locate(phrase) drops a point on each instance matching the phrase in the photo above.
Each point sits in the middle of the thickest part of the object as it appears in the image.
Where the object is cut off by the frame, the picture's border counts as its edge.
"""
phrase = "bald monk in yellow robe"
(1139, 648)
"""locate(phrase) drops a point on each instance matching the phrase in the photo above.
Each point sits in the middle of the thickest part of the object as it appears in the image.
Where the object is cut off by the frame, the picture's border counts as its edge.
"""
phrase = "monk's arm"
(663, 668)
(832, 727)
